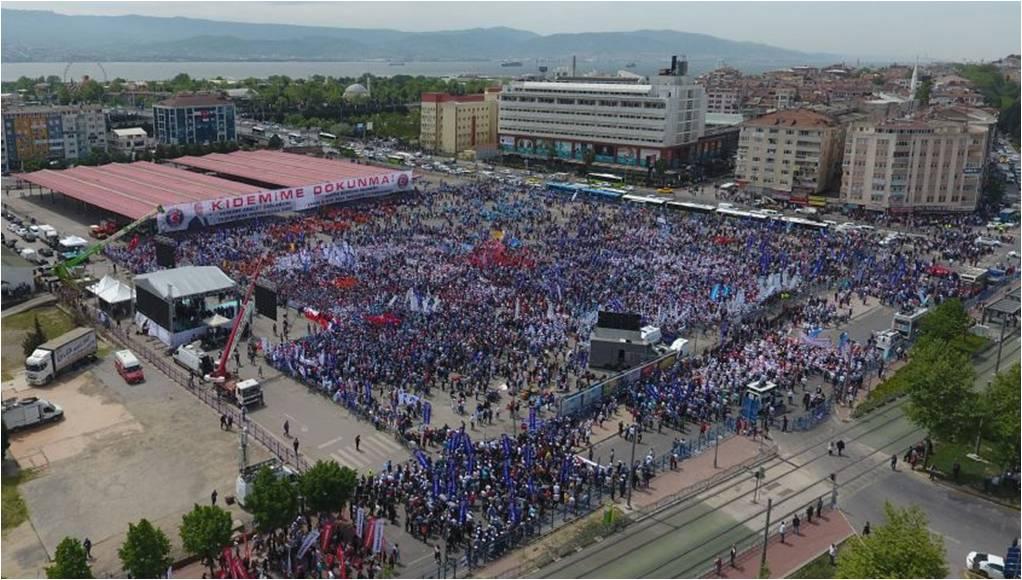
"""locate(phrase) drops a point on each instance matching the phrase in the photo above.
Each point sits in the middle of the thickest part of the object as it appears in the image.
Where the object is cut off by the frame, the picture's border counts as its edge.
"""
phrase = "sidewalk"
(795, 552)
(664, 488)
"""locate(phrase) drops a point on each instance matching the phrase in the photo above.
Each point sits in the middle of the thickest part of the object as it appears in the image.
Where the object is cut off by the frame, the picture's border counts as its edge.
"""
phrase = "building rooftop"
(445, 97)
(580, 87)
(793, 118)
(132, 132)
(194, 101)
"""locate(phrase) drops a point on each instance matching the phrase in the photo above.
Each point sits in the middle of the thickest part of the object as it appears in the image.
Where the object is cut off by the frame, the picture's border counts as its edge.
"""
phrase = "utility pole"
(631, 466)
(716, 448)
(759, 475)
(244, 447)
(766, 534)
(1000, 346)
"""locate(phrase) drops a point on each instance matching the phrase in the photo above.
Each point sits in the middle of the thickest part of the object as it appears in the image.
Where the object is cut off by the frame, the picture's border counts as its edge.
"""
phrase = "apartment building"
(452, 124)
(194, 119)
(789, 155)
(51, 133)
(128, 141)
(625, 121)
(930, 163)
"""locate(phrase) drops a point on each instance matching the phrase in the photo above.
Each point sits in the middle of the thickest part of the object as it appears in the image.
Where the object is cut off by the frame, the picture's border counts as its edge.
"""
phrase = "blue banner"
(421, 457)
(532, 418)
(427, 413)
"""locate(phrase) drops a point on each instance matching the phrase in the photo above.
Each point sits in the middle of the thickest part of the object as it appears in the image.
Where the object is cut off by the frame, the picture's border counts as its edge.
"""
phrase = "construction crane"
(220, 374)
(63, 269)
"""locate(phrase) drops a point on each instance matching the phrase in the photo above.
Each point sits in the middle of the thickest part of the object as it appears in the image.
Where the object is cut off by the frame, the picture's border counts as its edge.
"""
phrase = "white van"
(193, 358)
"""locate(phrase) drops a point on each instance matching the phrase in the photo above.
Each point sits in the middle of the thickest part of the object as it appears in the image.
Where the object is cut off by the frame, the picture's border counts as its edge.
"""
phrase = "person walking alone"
(287, 429)
(781, 530)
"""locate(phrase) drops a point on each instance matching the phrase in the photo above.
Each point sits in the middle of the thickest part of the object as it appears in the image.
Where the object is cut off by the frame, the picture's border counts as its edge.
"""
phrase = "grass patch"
(54, 321)
(974, 474)
(103, 348)
(819, 567)
(15, 512)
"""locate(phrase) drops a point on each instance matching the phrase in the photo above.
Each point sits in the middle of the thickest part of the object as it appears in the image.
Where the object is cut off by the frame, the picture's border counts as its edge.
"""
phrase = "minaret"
(914, 83)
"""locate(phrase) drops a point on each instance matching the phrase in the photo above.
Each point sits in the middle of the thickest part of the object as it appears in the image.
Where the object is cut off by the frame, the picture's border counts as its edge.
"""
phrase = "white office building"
(627, 120)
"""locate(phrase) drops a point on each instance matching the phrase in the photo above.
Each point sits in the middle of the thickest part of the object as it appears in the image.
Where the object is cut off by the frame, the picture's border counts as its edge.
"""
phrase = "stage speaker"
(266, 299)
(166, 250)
(619, 321)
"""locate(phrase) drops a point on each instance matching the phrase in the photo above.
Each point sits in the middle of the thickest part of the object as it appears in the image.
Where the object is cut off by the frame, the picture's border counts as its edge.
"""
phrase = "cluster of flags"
(427, 304)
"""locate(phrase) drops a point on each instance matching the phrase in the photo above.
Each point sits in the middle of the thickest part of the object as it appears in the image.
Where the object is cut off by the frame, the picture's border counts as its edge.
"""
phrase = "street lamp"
(631, 466)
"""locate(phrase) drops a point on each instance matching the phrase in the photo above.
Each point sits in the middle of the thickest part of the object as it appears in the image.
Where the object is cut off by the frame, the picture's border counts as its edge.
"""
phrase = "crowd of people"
(481, 288)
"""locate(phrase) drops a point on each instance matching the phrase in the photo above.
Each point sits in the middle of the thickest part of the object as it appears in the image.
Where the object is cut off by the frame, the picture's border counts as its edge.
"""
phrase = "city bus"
(329, 136)
(608, 177)
(258, 130)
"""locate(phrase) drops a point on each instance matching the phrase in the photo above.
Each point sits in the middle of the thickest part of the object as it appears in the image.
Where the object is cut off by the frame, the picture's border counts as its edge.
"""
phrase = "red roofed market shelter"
(134, 189)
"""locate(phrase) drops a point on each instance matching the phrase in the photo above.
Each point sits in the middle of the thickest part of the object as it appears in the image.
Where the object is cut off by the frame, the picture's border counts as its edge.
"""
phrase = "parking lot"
(121, 453)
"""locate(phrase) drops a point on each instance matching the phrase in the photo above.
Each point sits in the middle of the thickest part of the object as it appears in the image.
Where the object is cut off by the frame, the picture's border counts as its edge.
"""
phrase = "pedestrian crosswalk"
(373, 452)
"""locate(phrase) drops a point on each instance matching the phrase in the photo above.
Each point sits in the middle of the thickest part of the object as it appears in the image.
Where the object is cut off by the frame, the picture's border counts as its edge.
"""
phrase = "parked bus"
(329, 136)
(258, 130)
(609, 177)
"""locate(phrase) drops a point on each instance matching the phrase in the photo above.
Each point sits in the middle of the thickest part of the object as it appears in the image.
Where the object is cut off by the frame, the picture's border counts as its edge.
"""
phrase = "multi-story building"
(194, 119)
(624, 121)
(789, 154)
(128, 141)
(932, 163)
(58, 133)
(452, 124)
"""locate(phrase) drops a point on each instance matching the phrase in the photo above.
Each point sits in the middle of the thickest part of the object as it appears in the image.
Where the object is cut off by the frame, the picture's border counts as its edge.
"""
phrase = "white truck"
(60, 354)
(28, 412)
(48, 234)
(193, 358)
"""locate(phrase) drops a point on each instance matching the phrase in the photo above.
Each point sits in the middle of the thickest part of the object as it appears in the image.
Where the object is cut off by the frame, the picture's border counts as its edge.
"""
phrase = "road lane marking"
(333, 441)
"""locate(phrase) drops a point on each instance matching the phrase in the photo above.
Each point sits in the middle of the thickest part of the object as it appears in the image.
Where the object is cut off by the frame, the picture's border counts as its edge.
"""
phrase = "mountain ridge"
(27, 36)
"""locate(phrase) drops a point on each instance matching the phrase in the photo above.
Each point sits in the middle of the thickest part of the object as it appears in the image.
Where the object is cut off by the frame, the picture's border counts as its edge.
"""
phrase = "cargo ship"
(510, 63)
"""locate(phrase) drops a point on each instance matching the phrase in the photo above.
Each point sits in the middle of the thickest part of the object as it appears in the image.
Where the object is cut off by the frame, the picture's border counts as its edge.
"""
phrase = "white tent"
(112, 291)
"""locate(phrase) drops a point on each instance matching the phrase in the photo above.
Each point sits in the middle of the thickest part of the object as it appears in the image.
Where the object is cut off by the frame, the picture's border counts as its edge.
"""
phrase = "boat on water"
(510, 63)
(630, 65)
(396, 63)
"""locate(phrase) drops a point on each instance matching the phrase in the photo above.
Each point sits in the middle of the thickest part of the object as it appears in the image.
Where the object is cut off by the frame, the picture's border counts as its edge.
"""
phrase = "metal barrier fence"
(815, 416)
(595, 394)
(89, 315)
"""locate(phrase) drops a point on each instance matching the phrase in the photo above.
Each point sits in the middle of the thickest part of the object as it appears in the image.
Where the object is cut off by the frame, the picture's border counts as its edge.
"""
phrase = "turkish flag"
(134, 243)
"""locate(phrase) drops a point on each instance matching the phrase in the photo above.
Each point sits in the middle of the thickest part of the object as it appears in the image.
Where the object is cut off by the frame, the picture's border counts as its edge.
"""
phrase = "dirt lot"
(122, 453)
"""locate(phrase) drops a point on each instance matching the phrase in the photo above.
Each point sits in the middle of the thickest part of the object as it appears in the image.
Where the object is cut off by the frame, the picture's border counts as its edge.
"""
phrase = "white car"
(33, 228)
(986, 565)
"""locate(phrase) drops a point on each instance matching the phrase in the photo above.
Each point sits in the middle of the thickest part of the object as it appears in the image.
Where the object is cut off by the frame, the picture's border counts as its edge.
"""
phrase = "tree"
(34, 338)
(902, 547)
(69, 561)
(588, 157)
(941, 398)
(660, 167)
(273, 501)
(327, 486)
(275, 142)
(1001, 423)
(923, 92)
(205, 531)
(948, 322)
(146, 551)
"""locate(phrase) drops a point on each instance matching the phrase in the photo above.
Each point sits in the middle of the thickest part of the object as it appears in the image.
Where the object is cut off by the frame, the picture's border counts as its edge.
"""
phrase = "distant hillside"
(32, 36)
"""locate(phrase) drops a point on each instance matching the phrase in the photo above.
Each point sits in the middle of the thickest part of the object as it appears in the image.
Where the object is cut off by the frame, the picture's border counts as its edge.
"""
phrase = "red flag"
(369, 533)
(328, 531)
(340, 561)
(134, 243)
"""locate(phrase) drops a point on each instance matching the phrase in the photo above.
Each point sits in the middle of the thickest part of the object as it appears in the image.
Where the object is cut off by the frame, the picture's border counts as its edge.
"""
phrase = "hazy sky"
(934, 30)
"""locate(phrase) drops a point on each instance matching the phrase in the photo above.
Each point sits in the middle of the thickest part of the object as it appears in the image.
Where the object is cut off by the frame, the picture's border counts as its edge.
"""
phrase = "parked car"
(128, 367)
(986, 565)
(46, 251)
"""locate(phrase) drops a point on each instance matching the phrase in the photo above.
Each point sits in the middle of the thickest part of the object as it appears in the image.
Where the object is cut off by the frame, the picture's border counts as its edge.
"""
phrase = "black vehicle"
(46, 251)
